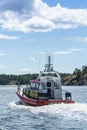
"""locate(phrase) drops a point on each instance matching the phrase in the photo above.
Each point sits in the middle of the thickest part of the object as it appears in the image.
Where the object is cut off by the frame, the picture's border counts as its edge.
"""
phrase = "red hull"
(35, 102)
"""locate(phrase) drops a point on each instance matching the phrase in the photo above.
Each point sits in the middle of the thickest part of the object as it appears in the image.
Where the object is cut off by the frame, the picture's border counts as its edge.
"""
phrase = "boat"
(45, 89)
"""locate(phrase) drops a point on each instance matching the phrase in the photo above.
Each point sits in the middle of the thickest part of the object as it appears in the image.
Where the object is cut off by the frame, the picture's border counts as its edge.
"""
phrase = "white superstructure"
(50, 81)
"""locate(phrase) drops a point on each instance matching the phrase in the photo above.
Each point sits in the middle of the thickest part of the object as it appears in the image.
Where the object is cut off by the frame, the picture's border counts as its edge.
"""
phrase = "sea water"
(15, 116)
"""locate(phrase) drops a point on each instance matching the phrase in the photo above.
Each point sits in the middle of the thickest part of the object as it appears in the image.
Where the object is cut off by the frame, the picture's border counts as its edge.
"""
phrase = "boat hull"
(37, 102)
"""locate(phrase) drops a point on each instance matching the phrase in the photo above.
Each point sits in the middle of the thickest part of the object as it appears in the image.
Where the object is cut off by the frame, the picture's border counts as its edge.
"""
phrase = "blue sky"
(29, 29)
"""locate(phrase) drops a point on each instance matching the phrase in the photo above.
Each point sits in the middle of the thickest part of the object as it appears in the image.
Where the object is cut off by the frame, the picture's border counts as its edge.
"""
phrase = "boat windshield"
(42, 86)
(34, 85)
(49, 74)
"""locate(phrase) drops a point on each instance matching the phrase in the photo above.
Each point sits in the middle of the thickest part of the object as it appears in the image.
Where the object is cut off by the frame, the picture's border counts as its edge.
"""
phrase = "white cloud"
(2, 66)
(84, 39)
(32, 59)
(2, 53)
(7, 37)
(75, 49)
(80, 39)
(37, 16)
(67, 52)
(61, 52)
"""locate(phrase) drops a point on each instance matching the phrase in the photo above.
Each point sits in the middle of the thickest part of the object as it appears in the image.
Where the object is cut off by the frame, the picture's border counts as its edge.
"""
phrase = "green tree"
(78, 74)
(84, 70)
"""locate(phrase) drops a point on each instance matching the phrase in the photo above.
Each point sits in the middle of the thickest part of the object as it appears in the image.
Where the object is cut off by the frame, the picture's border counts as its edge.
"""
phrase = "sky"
(32, 29)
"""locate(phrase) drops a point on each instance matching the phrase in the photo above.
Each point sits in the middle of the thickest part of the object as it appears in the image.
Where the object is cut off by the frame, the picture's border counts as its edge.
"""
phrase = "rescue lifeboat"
(45, 89)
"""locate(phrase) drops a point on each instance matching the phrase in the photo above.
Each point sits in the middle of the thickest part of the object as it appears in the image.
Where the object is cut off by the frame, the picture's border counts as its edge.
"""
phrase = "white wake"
(77, 111)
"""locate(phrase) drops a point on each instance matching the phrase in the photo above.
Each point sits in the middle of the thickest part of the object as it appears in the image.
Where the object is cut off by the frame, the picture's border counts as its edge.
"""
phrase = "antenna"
(39, 62)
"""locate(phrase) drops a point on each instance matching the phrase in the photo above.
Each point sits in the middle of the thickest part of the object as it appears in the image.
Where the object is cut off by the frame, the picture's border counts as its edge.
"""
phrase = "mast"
(49, 65)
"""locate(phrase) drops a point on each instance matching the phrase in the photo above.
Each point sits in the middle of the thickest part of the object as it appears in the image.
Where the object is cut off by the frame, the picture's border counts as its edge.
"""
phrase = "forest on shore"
(78, 77)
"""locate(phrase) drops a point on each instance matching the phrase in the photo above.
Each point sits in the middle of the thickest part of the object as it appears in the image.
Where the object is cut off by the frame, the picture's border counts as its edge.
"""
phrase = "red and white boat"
(45, 89)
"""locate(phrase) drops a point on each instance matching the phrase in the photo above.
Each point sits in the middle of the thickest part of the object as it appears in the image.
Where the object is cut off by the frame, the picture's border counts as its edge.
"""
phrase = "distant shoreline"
(77, 78)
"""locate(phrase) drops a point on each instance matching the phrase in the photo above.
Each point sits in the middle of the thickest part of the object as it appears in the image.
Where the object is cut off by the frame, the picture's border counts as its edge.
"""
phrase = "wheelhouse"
(34, 84)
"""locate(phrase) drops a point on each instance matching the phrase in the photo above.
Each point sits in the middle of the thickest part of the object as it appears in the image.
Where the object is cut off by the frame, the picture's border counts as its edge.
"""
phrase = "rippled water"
(15, 116)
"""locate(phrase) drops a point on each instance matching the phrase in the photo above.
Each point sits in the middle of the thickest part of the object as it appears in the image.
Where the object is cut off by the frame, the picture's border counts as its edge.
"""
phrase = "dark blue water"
(14, 116)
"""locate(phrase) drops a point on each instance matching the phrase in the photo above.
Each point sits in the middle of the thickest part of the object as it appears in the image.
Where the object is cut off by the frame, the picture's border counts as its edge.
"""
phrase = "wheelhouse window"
(42, 86)
(48, 84)
(49, 74)
(56, 86)
(34, 85)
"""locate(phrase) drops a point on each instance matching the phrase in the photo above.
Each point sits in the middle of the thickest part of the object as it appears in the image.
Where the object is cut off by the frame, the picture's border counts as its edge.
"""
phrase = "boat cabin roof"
(34, 81)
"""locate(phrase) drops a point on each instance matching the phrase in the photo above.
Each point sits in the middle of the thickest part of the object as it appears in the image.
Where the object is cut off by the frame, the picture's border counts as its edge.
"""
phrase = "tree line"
(15, 79)
(79, 76)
